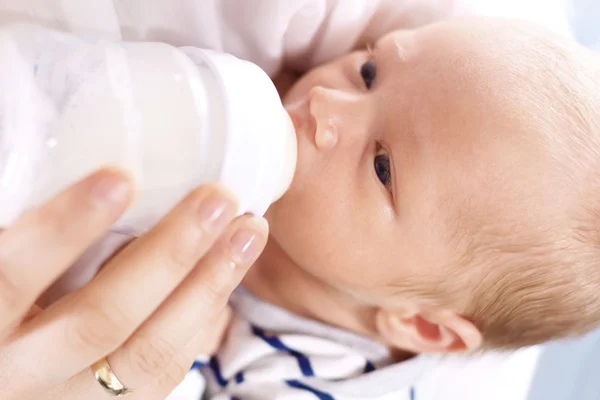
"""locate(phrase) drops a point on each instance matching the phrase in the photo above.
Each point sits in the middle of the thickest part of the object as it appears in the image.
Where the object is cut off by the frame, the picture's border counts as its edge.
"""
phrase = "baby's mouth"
(300, 116)
(294, 110)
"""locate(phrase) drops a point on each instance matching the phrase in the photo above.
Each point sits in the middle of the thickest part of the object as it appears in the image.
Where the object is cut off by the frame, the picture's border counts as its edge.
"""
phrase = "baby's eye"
(383, 169)
(368, 71)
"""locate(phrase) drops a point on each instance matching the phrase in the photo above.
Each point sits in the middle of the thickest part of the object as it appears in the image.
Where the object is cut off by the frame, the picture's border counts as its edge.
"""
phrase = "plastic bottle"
(174, 118)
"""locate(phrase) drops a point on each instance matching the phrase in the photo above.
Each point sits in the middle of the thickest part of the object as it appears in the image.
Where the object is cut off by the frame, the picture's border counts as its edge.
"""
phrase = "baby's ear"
(428, 332)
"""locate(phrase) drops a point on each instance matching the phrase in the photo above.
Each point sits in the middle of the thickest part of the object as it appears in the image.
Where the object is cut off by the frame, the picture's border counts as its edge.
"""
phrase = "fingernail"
(248, 243)
(111, 187)
(216, 212)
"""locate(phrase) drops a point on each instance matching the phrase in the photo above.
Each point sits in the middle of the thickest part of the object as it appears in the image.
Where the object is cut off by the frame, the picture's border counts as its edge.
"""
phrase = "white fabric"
(299, 33)
(305, 360)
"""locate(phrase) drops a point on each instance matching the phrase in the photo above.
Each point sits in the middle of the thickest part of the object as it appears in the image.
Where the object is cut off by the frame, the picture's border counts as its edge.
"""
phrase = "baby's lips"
(293, 111)
(296, 121)
(300, 116)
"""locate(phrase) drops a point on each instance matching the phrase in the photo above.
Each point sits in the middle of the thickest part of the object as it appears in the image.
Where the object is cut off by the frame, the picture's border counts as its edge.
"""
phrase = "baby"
(447, 199)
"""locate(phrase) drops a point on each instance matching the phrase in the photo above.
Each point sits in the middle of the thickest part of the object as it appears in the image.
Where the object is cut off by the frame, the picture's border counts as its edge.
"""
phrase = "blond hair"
(529, 283)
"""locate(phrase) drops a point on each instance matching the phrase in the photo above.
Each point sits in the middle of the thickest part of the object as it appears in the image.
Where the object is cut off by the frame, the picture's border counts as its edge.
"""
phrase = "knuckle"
(11, 295)
(177, 249)
(212, 294)
(180, 257)
(69, 216)
(169, 380)
(57, 211)
(58, 217)
(207, 295)
(97, 327)
(173, 377)
(175, 373)
(149, 357)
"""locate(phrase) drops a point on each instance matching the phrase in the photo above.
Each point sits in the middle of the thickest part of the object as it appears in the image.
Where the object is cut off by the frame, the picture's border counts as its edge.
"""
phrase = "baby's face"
(403, 154)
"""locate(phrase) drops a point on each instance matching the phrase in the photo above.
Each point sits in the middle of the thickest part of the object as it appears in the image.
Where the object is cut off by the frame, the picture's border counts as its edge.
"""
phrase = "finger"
(94, 321)
(44, 242)
(191, 322)
(175, 373)
(193, 308)
(85, 386)
(85, 268)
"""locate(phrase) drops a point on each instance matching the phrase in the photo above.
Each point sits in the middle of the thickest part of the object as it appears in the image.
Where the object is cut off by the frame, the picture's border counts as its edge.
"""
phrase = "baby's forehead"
(494, 47)
(484, 101)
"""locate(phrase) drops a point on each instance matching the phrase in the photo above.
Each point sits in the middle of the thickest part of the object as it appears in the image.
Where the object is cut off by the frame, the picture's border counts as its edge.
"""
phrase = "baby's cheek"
(308, 225)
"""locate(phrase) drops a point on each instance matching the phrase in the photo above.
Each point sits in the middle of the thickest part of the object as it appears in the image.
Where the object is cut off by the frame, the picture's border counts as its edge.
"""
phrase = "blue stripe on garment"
(235, 398)
(277, 344)
(197, 365)
(216, 369)
(239, 377)
(301, 386)
(412, 393)
(369, 367)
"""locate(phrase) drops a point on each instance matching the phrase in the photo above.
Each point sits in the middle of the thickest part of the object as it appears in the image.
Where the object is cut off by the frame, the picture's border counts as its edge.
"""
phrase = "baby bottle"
(174, 118)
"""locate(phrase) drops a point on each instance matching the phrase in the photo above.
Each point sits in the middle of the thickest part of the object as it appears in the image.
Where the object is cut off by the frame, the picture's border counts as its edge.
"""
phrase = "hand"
(152, 308)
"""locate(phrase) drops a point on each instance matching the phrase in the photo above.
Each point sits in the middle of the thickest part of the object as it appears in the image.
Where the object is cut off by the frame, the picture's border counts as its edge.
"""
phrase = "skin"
(447, 111)
(152, 309)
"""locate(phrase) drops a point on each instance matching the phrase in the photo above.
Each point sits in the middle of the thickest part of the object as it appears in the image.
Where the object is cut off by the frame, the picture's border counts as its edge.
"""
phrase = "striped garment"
(269, 353)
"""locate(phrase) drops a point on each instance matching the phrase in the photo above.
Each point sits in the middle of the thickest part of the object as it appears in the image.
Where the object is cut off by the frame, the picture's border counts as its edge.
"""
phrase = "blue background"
(570, 369)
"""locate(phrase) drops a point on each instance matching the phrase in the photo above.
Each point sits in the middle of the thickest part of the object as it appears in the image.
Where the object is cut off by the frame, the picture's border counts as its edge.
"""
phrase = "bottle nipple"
(290, 158)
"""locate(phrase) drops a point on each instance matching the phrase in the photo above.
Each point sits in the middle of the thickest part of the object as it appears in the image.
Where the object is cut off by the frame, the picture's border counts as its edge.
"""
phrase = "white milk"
(174, 118)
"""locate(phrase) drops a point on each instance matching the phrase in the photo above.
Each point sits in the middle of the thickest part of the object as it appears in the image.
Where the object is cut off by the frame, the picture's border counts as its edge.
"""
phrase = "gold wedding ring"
(108, 380)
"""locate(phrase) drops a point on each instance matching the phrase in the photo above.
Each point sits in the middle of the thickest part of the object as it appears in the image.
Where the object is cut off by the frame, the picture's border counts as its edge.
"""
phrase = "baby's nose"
(329, 107)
